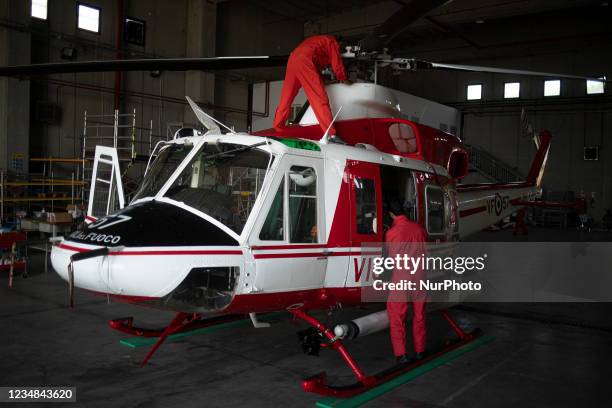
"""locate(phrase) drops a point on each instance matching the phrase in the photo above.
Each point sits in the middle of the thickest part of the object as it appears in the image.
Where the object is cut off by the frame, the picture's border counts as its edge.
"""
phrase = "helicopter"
(228, 224)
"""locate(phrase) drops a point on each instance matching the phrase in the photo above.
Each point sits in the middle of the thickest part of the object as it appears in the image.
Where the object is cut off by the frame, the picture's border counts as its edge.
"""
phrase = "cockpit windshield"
(167, 161)
(223, 180)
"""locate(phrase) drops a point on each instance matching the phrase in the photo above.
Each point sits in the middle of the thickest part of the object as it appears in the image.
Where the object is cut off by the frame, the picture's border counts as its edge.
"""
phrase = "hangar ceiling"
(461, 31)
(463, 23)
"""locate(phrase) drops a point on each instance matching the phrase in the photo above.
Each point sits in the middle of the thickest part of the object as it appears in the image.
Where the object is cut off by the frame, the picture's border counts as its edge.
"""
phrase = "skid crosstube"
(182, 322)
(126, 325)
(318, 384)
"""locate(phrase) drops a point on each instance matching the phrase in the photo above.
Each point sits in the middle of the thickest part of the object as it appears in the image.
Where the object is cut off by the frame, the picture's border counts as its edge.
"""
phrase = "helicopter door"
(290, 242)
(106, 190)
(365, 219)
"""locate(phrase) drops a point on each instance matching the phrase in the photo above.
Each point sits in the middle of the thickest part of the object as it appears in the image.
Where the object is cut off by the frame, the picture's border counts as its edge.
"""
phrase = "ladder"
(117, 130)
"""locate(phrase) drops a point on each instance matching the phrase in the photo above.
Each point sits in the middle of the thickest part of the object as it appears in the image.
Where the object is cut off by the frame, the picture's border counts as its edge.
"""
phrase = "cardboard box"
(58, 217)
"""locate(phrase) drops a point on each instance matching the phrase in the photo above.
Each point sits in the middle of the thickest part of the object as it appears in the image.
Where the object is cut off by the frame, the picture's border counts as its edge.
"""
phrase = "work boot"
(419, 356)
(403, 359)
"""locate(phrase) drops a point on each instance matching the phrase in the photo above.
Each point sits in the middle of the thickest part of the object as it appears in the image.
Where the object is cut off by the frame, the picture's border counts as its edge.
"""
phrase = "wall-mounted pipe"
(118, 45)
(149, 96)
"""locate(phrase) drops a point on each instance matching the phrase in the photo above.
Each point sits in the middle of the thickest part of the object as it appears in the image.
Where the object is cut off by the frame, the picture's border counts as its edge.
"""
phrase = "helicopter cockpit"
(220, 179)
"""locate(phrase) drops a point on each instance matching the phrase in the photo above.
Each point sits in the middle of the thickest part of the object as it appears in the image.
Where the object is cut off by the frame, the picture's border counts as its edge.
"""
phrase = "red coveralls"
(406, 237)
(303, 71)
(519, 225)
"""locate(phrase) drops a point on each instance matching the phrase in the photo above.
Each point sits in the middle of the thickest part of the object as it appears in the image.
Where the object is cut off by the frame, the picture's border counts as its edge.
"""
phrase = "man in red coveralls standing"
(519, 226)
(409, 238)
(303, 71)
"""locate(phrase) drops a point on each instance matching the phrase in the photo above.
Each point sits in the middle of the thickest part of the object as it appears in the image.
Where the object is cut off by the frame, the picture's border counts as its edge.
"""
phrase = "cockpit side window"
(303, 226)
(272, 229)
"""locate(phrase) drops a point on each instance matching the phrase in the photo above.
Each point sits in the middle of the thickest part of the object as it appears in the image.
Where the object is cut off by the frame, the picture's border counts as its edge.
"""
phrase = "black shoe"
(419, 356)
(403, 359)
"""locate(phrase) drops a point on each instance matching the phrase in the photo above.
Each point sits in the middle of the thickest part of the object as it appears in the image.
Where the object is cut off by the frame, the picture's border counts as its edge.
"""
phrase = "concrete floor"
(543, 356)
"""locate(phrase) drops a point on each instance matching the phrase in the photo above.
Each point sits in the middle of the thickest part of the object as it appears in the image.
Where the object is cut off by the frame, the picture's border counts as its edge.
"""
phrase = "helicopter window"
(167, 161)
(403, 137)
(399, 182)
(435, 210)
(272, 229)
(303, 204)
(222, 180)
(365, 193)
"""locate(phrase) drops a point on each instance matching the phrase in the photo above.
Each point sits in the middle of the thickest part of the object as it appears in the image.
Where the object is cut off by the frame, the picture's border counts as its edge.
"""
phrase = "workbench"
(53, 228)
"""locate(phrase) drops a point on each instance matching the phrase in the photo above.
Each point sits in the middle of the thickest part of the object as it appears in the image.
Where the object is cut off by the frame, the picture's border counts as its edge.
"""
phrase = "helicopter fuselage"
(239, 223)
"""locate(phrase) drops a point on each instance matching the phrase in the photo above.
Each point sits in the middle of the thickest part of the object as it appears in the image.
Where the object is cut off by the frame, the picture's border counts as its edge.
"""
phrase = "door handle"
(326, 253)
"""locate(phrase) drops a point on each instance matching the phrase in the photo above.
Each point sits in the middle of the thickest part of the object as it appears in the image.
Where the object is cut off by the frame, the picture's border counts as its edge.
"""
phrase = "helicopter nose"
(153, 248)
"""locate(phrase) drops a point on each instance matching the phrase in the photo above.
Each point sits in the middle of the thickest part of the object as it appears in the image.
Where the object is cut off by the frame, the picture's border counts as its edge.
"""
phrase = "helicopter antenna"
(324, 139)
(208, 121)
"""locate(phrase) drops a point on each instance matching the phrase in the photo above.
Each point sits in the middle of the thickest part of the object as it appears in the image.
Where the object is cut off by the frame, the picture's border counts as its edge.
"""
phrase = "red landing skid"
(318, 384)
(182, 322)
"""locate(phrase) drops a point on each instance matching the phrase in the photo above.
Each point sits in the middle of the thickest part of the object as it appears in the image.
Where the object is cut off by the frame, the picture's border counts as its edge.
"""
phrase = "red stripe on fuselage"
(311, 299)
(304, 246)
(493, 186)
(312, 254)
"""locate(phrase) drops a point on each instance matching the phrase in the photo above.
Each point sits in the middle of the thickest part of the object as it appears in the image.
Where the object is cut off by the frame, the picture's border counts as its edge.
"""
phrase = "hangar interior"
(546, 354)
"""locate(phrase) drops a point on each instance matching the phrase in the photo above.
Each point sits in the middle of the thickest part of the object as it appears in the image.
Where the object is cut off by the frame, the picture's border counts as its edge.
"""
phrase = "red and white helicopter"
(229, 224)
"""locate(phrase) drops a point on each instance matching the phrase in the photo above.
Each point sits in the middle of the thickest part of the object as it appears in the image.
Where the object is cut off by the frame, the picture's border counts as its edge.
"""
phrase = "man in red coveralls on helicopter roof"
(304, 71)
(406, 237)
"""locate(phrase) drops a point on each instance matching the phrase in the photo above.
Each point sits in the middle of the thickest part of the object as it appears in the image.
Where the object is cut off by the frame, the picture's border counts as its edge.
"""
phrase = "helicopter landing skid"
(318, 383)
(126, 325)
(182, 322)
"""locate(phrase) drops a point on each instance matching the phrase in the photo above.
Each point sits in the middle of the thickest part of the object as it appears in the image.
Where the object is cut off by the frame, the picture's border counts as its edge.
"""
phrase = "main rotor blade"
(397, 23)
(494, 70)
(152, 64)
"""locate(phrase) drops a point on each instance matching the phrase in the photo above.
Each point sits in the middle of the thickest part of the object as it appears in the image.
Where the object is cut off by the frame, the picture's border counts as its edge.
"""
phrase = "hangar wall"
(557, 44)
(198, 28)
(259, 33)
(14, 94)
(94, 92)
